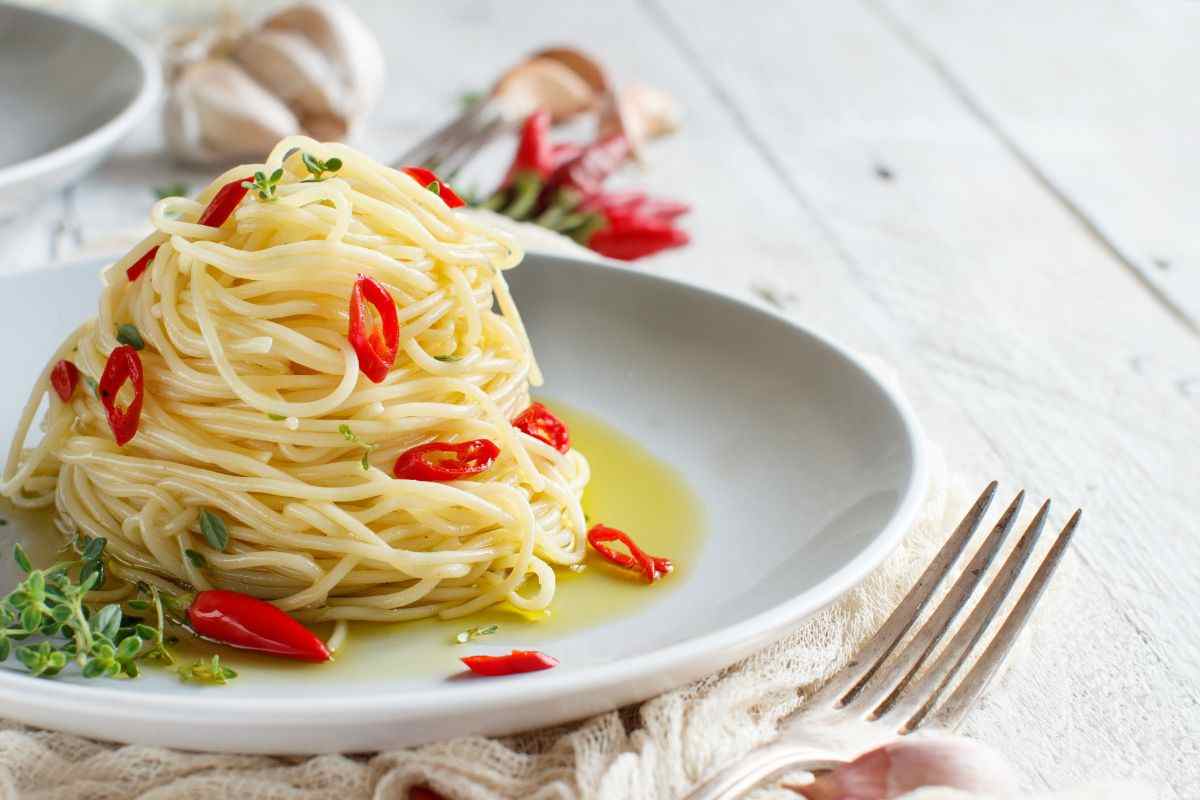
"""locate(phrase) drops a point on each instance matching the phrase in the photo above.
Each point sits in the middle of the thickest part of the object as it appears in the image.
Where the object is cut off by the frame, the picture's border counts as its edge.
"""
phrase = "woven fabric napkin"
(656, 750)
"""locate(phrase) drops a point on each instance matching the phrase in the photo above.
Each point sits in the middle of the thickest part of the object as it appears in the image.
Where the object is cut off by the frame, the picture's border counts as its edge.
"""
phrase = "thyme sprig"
(210, 671)
(264, 185)
(317, 168)
(49, 606)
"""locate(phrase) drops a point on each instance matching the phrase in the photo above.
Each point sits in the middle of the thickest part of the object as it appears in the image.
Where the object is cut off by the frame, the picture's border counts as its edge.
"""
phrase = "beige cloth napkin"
(655, 751)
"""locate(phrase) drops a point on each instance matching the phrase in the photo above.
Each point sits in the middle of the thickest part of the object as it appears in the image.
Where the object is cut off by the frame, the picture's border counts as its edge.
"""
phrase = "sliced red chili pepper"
(124, 364)
(139, 266)
(636, 239)
(629, 206)
(636, 559)
(442, 461)
(516, 662)
(223, 203)
(240, 620)
(427, 178)
(540, 423)
(64, 378)
(376, 345)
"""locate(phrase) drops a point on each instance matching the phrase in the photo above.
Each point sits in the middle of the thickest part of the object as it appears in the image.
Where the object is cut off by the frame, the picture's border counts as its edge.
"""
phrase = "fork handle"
(739, 777)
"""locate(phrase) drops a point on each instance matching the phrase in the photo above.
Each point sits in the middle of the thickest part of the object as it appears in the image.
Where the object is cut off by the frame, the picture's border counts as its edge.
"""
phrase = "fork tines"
(885, 682)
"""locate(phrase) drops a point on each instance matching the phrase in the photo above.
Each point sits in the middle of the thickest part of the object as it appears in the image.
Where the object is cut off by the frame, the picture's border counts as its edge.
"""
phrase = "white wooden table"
(998, 198)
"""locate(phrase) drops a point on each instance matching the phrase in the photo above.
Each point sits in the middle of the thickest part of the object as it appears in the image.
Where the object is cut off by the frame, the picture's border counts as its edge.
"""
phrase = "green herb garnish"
(50, 605)
(317, 168)
(351, 436)
(130, 335)
(198, 560)
(474, 633)
(448, 359)
(276, 417)
(264, 185)
(175, 189)
(213, 528)
(210, 672)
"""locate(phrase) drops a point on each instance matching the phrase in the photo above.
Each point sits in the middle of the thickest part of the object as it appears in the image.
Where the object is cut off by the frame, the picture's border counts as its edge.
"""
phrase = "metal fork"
(883, 692)
(451, 146)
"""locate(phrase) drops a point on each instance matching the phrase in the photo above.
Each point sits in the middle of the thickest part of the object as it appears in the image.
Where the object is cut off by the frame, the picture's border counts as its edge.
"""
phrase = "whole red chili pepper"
(64, 378)
(586, 172)
(626, 206)
(240, 620)
(539, 423)
(428, 179)
(636, 559)
(515, 662)
(223, 203)
(376, 346)
(534, 151)
(636, 238)
(124, 364)
(139, 266)
(442, 461)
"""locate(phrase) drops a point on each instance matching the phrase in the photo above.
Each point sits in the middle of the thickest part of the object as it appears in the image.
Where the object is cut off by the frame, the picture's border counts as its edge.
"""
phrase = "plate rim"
(716, 649)
(103, 137)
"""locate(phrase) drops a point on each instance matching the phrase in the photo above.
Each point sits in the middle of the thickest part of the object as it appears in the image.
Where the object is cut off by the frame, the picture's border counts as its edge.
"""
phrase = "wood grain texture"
(1094, 97)
(840, 176)
(1018, 314)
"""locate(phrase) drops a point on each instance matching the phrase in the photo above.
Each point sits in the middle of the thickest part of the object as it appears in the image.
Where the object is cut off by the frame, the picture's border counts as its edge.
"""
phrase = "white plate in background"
(69, 92)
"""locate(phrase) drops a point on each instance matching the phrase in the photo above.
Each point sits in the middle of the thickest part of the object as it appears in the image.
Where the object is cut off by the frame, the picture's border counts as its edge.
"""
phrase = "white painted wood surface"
(1040, 164)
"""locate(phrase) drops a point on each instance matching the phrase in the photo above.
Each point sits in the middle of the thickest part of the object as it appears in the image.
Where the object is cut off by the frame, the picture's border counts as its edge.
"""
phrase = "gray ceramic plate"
(68, 93)
(807, 468)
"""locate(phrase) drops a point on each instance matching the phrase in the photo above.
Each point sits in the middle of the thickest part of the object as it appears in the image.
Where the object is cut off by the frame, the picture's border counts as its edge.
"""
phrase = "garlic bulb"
(313, 68)
(914, 762)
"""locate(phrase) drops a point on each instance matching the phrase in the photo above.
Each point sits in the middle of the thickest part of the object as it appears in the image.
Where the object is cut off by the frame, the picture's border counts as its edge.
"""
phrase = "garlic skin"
(562, 81)
(912, 763)
(313, 67)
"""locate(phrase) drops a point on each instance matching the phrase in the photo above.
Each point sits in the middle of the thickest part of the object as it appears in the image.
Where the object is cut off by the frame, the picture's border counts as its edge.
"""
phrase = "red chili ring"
(123, 364)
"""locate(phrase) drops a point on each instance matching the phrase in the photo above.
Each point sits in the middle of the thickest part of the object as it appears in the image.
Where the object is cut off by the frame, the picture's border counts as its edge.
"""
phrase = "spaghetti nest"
(256, 412)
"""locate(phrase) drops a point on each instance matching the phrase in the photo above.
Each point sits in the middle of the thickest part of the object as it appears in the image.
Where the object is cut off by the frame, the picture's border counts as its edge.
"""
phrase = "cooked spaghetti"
(257, 412)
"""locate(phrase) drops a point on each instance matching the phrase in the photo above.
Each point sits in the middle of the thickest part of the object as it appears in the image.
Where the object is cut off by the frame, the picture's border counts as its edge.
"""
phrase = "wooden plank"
(1021, 316)
(1097, 97)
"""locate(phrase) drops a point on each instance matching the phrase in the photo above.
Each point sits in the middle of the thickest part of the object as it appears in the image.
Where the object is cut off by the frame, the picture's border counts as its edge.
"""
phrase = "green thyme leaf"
(448, 359)
(21, 559)
(210, 672)
(474, 633)
(130, 335)
(213, 528)
(198, 560)
(107, 621)
(94, 548)
(346, 433)
(365, 461)
(317, 168)
(92, 574)
(263, 186)
(351, 436)
(138, 605)
(276, 417)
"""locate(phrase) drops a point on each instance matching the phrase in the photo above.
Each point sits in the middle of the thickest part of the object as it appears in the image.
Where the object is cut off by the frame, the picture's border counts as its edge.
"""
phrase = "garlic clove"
(217, 113)
(354, 74)
(544, 83)
(290, 67)
(589, 70)
(912, 763)
(641, 112)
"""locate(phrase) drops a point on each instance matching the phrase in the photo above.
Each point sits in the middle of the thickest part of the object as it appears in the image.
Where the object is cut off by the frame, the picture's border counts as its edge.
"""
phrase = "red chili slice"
(224, 202)
(636, 559)
(442, 461)
(539, 423)
(426, 177)
(517, 661)
(124, 364)
(376, 346)
(64, 378)
(240, 620)
(139, 266)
